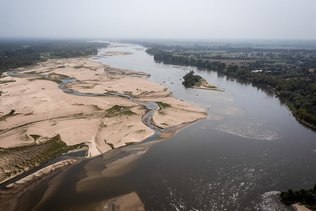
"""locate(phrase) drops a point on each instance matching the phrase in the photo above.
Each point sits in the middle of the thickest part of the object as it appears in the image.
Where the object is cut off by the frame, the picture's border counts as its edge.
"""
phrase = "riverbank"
(205, 154)
(296, 87)
(298, 207)
(83, 101)
(194, 81)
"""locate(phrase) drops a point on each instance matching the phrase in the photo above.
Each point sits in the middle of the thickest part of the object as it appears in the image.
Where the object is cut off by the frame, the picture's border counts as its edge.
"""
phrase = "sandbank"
(298, 207)
(34, 105)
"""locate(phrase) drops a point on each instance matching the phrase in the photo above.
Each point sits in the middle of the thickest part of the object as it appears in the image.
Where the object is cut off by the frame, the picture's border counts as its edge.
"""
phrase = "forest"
(19, 53)
(191, 80)
(290, 73)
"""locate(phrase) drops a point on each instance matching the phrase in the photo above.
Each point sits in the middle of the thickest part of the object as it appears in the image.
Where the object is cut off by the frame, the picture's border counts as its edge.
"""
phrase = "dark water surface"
(247, 149)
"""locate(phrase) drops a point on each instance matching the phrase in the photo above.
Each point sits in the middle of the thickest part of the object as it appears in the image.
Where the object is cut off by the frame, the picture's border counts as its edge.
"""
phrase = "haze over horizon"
(141, 19)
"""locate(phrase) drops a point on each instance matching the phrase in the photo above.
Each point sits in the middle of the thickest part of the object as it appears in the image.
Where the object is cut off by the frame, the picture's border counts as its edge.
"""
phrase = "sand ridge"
(41, 108)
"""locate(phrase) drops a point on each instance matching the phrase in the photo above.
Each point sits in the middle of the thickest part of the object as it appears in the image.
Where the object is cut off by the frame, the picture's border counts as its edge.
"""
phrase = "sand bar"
(298, 207)
(34, 108)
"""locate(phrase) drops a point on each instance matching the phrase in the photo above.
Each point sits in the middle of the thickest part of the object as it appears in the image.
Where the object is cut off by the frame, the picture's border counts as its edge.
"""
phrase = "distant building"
(256, 71)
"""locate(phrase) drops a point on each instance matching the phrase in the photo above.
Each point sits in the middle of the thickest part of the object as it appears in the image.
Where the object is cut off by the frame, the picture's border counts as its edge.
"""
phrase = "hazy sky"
(176, 19)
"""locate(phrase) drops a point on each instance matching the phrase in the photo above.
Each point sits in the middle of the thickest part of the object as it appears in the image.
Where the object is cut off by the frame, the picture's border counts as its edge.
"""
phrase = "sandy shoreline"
(34, 109)
(298, 207)
(203, 84)
(10, 195)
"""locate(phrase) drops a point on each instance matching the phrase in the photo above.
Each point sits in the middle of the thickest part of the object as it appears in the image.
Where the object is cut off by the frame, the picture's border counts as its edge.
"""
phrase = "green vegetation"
(14, 53)
(305, 197)
(290, 73)
(16, 160)
(191, 80)
(118, 111)
(163, 105)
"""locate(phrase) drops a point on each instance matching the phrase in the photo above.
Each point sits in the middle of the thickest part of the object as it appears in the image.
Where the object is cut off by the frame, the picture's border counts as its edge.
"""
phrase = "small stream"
(248, 149)
(64, 80)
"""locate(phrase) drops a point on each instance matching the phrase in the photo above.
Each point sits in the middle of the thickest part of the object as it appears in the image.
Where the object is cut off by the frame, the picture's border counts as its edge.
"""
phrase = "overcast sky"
(176, 19)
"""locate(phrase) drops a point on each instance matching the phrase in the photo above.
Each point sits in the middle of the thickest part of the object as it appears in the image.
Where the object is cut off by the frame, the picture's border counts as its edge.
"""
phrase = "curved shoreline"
(85, 78)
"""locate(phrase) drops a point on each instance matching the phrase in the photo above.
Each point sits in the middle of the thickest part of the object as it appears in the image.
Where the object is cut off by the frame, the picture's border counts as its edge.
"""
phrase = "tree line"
(16, 53)
(295, 85)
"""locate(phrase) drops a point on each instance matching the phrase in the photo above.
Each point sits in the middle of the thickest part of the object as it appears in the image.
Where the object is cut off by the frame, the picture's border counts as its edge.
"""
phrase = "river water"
(238, 158)
(249, 146)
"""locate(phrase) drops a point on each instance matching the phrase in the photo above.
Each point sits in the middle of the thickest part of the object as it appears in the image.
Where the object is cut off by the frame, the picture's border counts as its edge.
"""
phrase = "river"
(248, 148)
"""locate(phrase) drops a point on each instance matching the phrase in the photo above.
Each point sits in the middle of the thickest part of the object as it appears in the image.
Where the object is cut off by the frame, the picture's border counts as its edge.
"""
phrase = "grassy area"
(119, 111)
(16, 160)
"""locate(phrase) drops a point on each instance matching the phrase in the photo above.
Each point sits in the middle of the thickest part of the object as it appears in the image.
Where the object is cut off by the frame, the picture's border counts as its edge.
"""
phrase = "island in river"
(290, 73)
(66, 104)
(192, 80)
(227, 172)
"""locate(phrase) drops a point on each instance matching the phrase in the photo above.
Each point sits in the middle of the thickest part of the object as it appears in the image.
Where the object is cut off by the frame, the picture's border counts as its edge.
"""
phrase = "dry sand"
(115, 53)
(42, 172)
(33, 109)
(9, 196)
(299, 207)
(126, 202)
(41, 108)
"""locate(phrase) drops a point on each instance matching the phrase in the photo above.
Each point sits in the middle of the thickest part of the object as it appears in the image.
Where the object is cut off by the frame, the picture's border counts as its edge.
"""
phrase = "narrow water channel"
(248, 149)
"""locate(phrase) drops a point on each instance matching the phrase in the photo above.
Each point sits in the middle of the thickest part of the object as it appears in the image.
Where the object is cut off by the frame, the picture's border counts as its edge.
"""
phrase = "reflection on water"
(247, 149)
(242, 109)
(227, 161)
(270, 202)
(248, 129)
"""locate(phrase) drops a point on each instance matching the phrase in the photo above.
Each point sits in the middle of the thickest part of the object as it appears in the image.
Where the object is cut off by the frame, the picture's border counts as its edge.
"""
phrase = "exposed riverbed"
(247, 149)
(249, 146)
